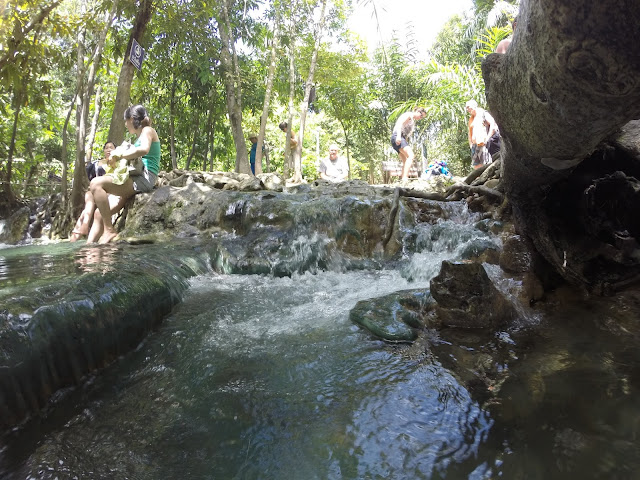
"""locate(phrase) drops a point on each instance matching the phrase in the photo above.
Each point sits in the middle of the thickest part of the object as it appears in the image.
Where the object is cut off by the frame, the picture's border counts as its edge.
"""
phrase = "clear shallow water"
(264, 378)
(255, 377)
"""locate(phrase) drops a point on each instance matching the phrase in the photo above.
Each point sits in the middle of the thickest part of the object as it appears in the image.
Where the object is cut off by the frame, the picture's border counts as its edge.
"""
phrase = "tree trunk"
(346, 137)
(288, 153)
(210, 136)
(97, 106)
(297, 177)
(80, 182)
(9, 196)
(214, 122)
(123, 94)
(65, 143)
(269, 87)
(84, 92)
(172, 119)
(192, 152)
(568, 82)
(62, 221)
(86, 89)
(233, 88)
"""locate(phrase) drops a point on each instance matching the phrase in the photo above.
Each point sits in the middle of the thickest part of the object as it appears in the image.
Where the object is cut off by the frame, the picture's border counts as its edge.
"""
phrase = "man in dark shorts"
(400, 138)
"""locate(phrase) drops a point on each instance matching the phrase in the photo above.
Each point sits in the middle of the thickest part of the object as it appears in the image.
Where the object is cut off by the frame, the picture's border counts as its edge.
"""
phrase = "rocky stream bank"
(239, 224)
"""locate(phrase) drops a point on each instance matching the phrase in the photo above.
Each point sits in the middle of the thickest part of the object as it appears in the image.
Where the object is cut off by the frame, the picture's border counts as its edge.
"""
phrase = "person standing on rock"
(335, 168)
(253, 138)
(400, 138)
(293, 143)
(482, 127)
(147, 146)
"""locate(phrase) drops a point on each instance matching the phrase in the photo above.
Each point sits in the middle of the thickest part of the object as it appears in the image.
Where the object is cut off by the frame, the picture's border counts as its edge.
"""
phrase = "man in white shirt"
(482, 128)
(334, 168)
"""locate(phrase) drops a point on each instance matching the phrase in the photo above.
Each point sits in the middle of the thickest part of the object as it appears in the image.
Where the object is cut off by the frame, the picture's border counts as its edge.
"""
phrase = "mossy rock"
(396, 317)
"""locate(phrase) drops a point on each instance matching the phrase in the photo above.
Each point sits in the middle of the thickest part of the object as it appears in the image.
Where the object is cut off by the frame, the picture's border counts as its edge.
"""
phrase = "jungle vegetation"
(214, 72)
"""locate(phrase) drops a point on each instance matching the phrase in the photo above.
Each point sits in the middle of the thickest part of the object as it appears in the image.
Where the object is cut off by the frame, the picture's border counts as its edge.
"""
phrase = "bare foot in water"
(75, 236)
(108, 236)
(81, 228)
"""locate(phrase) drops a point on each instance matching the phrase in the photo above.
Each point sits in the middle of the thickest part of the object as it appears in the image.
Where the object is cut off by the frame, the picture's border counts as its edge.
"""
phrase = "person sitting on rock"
(94, 169)
(147, 146)
(334, 168)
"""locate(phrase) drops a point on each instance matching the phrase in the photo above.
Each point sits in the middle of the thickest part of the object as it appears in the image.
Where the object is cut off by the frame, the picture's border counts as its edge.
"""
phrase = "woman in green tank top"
(147, 146)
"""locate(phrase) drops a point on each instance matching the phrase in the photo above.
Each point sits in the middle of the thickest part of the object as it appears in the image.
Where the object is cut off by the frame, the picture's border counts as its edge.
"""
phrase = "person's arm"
(322, 168)
(146, 138)
(294, 139)
(397, 129)
(493, 126)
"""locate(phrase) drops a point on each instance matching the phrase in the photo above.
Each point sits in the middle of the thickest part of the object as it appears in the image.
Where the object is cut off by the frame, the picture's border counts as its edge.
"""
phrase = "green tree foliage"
(181, 82)
(32, 42)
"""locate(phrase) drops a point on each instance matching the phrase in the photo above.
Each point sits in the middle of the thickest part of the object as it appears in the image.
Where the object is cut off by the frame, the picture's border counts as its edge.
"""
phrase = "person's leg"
(407, 153)
(117, 203)
(101, 187)
(84, 220)
(96, 228)
(401, 158)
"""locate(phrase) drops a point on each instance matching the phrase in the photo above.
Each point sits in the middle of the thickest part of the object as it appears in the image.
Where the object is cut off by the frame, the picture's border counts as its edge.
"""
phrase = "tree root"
(479, 189)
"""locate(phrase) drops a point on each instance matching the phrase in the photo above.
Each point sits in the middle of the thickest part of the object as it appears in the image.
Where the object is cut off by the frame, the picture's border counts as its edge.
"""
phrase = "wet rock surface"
(85, 310)
(14, 228)
(397, 317)
(261, 226)
(467, 298)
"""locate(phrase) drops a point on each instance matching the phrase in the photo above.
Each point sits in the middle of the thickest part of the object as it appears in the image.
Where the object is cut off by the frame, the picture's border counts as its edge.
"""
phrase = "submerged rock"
(396, 317)
(56, 330)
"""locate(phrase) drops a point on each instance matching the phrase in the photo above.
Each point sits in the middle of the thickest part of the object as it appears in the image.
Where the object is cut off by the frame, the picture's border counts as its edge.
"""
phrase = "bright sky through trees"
(426, 17)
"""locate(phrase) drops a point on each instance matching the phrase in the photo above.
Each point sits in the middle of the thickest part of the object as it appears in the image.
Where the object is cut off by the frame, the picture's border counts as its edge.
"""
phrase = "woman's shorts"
(145, 182)
(403, 143)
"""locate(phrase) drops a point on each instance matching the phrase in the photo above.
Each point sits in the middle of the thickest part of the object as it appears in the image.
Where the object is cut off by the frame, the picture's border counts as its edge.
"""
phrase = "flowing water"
(257, 377)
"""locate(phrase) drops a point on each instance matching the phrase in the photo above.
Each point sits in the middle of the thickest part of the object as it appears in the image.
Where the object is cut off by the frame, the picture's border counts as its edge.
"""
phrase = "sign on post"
(136, 56)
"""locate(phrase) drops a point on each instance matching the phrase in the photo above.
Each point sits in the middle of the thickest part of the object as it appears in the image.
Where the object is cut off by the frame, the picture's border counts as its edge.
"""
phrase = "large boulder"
(360, 220)
(563, 96)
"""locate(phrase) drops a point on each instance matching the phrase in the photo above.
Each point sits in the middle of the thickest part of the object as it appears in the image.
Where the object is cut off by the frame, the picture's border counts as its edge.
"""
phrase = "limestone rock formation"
(563, 95)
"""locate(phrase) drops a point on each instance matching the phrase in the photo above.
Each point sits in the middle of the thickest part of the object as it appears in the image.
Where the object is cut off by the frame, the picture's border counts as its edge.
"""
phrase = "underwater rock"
(53, 333)
(396, 317)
